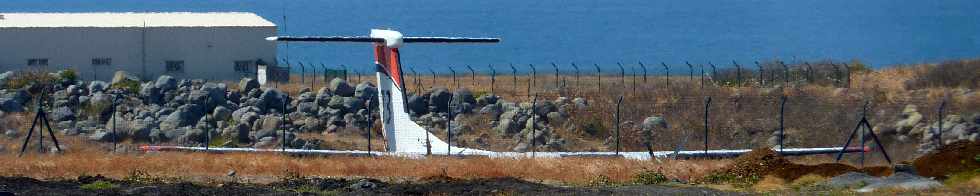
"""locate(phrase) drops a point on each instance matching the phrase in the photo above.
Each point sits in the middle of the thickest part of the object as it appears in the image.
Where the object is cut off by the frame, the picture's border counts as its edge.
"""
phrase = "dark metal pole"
(576, 75)
(313, 83)
(837, 75)
(342, 66)
(370, 120)
(942, 112)
(785, 72)
(114, 140)
(433, 77)
(282, 126)
(449, 127)
(534, 78)
(848, 69)
(702, 75)
(809, 72)
(714, 73)
(207, 123)
(633, 75)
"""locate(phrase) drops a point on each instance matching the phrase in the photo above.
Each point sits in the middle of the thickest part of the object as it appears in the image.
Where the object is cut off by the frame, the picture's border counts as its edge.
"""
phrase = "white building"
(213, 46)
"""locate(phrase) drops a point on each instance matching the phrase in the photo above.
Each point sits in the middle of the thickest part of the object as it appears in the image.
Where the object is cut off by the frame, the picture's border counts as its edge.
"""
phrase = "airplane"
(405, 138)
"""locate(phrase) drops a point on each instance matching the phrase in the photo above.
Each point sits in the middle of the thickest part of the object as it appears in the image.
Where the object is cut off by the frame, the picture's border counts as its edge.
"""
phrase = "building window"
(243, 66)
(37, 62)
(175, 66)
(102, 61)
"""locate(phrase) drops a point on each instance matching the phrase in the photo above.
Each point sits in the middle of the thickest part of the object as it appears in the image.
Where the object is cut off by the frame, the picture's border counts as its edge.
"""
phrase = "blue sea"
(586, 32)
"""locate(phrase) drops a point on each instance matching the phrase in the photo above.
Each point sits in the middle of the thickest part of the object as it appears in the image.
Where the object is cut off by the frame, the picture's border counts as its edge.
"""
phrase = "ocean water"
(586, 32)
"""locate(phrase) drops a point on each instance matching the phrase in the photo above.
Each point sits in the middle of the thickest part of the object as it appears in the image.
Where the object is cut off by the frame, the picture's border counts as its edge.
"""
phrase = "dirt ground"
(333, 186)
(949, 159)
(764, 161)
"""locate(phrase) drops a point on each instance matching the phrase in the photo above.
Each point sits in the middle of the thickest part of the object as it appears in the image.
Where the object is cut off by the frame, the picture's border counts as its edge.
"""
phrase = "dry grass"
(84, 158)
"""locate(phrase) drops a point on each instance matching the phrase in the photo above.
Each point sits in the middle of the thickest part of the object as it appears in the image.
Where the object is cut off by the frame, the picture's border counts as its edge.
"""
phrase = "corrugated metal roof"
(134, 19)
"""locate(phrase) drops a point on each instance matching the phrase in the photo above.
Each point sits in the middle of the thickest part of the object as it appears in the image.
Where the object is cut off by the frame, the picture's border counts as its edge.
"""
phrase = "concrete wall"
(208, 52)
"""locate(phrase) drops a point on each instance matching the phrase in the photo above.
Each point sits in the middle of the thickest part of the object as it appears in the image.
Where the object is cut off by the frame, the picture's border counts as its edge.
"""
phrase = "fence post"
(738, 74)
(415, 79)
(644, 67)
(302, 73)
(707, 106)
(762, 72)
(534, 115)
(847, 68)
(493, 79)
(513, 72)
(576, 75)
(667, 72)
(702, 75)
(557, 76)
(618, 118)
(714, 73)
(785, 72)
(449, 127)
(633, 75)
(344, 67)
(622, 74)
(370, 120)
(433, 77)
(942, 112)
(283, 125)
(313, 83)
(534, 78)
(472, 75)
(455, 83)
(809, 72)
(115, 140)
(690, 70)
(782, 112)
(598, 73)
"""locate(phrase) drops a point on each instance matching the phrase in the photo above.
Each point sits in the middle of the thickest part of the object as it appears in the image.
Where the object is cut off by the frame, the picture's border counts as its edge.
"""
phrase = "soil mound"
(952, 158)
(763, 161)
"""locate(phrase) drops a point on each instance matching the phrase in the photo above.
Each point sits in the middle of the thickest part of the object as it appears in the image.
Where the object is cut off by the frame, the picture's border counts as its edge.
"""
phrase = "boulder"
(97, 86)
(4, 77)
(166, 83)
(151, 93)
(62, 114)
(340, 87)
(268, 126)
(439, 99)
(417, 105)
(323, 97)
(580, 103)
(216, 91)
(221, 113)
(911, 118)
(185, 115)
(247, 84)
(365, 91)
(123, 76)
(272, 99)
(487, 99)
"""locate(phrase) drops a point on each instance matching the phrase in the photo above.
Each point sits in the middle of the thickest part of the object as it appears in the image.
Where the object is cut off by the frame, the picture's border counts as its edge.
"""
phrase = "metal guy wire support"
(667, 73)
(644, 71)
(690, 69)
(472, 74)
(707, 107)
(619, 105)
(557, 75)
(782, 112)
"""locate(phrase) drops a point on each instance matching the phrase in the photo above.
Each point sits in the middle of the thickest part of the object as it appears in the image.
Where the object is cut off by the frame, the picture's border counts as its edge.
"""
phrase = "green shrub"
(128, 85)
(599, 180)
(648, 177)
(68, 76)
(99, 185)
